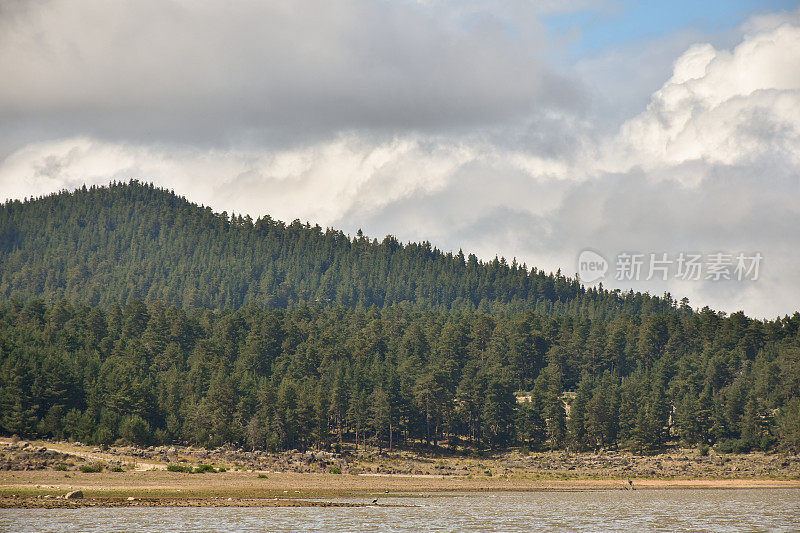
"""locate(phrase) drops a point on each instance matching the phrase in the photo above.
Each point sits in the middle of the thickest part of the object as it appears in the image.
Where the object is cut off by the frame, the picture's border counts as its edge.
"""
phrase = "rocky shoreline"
(69, 457)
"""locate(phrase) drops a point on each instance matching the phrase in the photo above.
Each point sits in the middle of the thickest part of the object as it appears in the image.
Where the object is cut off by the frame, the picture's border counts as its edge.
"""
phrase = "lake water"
(643, 510)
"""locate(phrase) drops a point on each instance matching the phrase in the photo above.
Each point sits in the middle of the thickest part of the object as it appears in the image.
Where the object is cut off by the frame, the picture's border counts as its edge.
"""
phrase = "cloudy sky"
(524, 129)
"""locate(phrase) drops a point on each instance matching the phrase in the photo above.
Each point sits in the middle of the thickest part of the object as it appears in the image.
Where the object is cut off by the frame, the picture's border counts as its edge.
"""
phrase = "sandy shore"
(159, 488)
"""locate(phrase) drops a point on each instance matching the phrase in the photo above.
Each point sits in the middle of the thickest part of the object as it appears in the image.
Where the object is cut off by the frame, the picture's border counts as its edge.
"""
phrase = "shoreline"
(38, 474)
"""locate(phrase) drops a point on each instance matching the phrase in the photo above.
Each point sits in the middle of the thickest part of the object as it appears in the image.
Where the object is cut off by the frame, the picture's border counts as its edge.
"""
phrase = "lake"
(642, 510)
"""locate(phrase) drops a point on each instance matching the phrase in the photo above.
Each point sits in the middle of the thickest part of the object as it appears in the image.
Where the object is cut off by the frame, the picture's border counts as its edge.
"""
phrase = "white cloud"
(321, 182)
(720, 107)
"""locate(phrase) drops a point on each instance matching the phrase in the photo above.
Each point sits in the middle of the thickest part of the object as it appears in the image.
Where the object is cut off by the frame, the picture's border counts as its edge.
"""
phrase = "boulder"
(73, 495)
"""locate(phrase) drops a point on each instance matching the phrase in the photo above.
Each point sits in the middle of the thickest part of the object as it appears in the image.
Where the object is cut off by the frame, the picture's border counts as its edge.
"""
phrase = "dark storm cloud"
(234, 72)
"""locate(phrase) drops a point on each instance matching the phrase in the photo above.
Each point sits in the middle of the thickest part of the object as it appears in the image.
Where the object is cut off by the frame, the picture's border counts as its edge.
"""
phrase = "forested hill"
(127, 241)
(168, 323)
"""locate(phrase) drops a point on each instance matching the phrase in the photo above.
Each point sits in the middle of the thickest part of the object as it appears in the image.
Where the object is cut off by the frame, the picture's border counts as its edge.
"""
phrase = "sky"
(612, 24)
(639, 131)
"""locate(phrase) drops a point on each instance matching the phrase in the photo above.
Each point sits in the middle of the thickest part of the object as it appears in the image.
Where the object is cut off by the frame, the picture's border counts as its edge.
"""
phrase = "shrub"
(202, 469)
(62, 468)
(186, 469)
(336, 470)
(262, 476)
(733, 446)
(703, 450)
(117, 469)
(91, 469)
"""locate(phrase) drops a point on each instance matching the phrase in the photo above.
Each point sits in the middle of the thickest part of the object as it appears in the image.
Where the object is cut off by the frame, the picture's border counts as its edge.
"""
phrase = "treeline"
(314, 376)
(103, 245)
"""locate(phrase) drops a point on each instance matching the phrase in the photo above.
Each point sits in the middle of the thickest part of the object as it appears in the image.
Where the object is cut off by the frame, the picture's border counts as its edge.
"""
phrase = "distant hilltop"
(136, 241)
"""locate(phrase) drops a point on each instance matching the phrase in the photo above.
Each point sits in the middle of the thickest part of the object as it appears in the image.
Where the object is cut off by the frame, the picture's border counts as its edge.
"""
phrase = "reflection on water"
(666, 510)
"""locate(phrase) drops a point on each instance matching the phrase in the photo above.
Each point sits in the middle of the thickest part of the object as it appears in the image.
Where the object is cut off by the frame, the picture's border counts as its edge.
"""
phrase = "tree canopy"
(127, 241)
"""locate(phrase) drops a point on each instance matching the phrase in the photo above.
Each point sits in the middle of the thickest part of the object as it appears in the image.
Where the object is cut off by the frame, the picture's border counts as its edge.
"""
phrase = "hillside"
(134, 241)
(128, 314)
